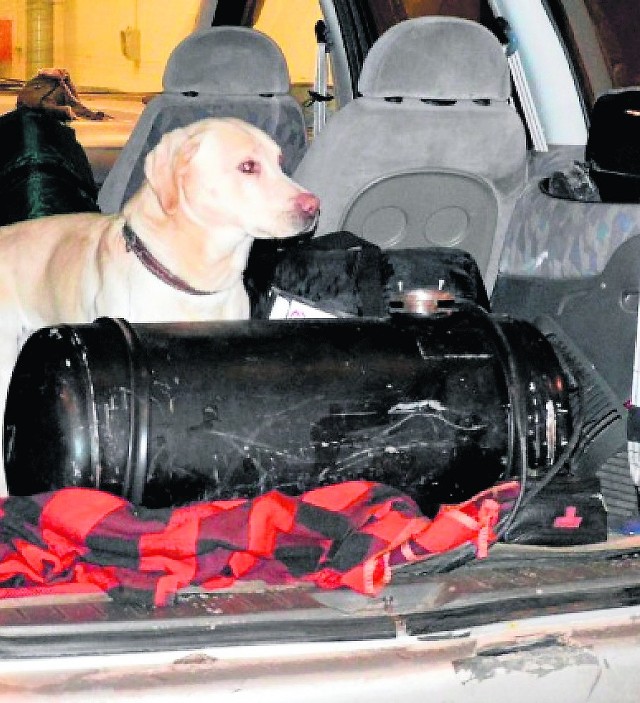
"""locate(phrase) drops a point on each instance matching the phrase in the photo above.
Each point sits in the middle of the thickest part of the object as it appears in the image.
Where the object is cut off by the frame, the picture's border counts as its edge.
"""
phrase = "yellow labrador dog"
(177, 251)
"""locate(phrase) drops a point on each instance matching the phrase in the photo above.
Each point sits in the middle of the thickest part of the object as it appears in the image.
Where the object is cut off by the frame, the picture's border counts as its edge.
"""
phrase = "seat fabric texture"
(434, 99)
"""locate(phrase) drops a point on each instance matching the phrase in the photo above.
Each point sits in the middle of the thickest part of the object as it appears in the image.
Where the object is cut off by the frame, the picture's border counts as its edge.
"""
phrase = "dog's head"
(227, 174)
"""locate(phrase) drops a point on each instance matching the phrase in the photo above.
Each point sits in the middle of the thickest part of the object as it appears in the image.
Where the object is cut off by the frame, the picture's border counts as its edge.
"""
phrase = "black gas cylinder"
(163, 414)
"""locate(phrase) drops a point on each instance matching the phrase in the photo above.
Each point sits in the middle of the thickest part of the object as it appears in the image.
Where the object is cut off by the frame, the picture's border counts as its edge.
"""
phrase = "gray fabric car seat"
(433, 152)
(215, 72)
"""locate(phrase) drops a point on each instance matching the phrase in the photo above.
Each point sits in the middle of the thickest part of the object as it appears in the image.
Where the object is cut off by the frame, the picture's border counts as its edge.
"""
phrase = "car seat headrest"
(227, 61)
(436, 58)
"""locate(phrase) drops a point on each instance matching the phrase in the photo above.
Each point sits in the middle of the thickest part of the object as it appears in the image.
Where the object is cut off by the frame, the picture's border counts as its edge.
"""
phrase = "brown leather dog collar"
(137, 246)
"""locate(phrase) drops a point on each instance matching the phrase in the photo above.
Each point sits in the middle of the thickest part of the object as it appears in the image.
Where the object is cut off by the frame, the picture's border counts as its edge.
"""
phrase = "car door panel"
(577, 262)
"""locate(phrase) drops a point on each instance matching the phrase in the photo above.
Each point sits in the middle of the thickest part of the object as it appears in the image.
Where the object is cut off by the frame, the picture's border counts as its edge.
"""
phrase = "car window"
(386, 14)
(601, 37)
(471, 9)
(115, 52)
(119, 45)
(295, 35)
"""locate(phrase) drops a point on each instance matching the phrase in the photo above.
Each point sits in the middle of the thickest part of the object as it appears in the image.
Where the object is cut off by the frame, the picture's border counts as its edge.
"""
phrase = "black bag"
(613, 145)
(568, 511)
(43, 168)
(342, 273)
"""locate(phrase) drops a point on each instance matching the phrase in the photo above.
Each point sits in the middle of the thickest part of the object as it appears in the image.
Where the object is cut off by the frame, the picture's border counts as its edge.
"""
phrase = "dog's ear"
(165, 165)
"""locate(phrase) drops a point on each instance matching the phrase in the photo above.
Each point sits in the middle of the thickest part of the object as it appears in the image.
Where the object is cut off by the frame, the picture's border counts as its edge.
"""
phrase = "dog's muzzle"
(308, 208)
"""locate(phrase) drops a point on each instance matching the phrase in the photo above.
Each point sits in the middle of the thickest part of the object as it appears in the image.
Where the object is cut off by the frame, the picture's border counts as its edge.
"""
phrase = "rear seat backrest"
(432, 153)
(216, 72)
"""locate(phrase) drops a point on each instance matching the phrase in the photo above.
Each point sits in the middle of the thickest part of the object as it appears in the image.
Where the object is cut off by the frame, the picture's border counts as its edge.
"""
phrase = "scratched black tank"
(164, 414)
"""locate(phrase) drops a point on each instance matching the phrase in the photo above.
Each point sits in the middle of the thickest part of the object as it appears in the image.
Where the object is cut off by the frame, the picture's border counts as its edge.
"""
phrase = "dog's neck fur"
(202, 263)
(159, 270)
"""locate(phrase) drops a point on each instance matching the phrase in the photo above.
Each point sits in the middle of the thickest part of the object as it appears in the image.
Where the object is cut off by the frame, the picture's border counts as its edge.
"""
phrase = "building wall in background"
(294, 33)
(86, 37)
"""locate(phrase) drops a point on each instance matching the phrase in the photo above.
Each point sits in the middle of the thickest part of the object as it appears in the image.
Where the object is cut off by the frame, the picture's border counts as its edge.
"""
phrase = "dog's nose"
(308, 204)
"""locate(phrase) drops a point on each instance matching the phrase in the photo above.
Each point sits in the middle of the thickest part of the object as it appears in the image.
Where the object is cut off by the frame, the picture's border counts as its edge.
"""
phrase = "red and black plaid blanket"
(79, 540)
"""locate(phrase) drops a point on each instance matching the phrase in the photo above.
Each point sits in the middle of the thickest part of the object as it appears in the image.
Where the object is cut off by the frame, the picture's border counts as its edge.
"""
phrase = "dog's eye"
(249, 166)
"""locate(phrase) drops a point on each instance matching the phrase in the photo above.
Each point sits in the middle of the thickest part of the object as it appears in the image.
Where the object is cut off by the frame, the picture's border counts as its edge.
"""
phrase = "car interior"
(430, 155)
